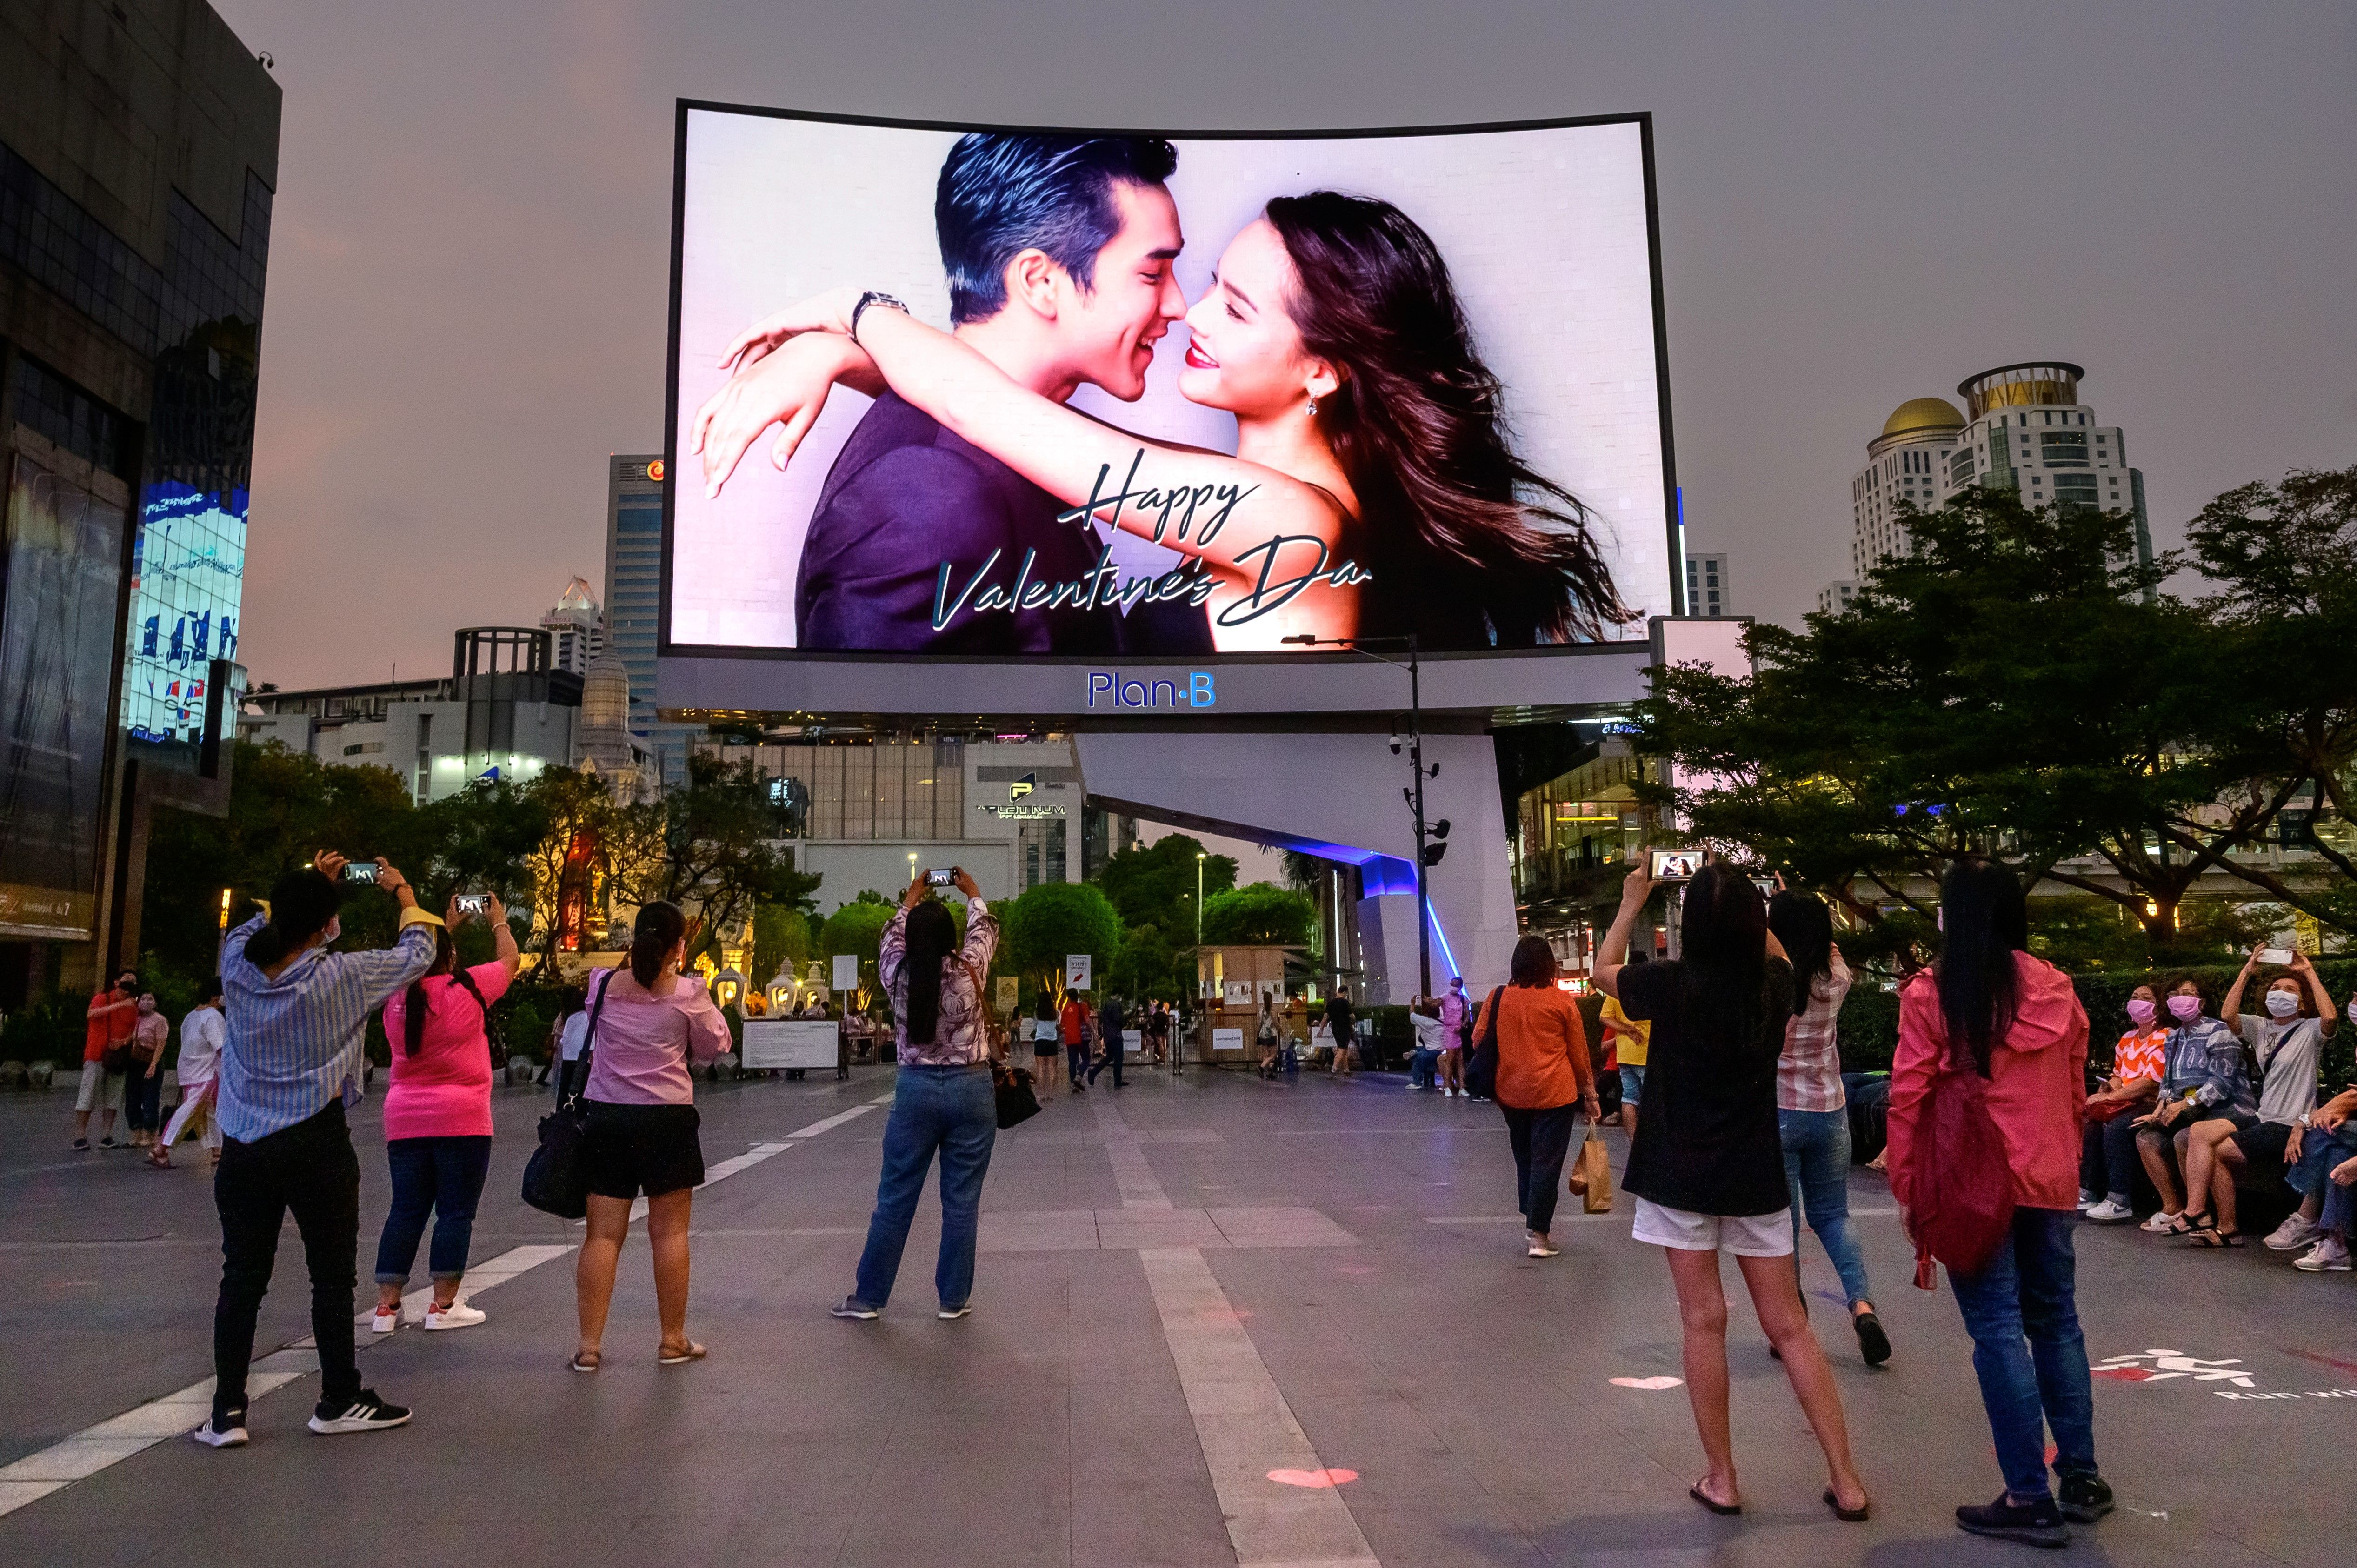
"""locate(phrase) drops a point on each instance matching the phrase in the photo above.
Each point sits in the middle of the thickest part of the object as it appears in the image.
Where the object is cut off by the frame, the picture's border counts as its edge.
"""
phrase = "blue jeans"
(441, 1174)
(2022, 1312)
(1816, 1166)
(954, 1110)
(2107, 1157)
(1420, 1063)
(2313, 1175)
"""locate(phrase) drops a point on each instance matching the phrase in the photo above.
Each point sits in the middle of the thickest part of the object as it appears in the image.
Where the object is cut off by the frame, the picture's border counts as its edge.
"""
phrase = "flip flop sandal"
(586, 1360)
(1713, 1504)
(667, 1357)
(2204, 1232)
(1848, 1516)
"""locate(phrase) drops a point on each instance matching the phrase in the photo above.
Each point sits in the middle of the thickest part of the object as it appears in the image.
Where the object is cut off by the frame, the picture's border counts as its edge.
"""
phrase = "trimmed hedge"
(1869, 1018)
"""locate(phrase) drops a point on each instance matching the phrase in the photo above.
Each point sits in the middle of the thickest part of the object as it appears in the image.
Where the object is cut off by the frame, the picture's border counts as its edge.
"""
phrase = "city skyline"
(1845, 223)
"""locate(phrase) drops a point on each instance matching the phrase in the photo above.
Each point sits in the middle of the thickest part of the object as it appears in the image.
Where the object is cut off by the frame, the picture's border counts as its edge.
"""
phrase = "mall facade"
(138, 154)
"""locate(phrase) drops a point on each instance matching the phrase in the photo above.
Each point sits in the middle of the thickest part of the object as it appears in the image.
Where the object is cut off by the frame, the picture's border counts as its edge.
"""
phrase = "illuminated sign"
(1157, 692)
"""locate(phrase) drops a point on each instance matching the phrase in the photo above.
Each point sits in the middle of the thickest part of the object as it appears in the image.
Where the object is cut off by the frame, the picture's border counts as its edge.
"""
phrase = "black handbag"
(554, 1179)
(1481, 1072)
(1016, 1102)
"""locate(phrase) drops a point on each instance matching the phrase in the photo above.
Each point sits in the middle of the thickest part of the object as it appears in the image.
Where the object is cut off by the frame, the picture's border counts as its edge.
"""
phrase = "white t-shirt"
(2289, 1050)
(575, 1035)
(202, 1033)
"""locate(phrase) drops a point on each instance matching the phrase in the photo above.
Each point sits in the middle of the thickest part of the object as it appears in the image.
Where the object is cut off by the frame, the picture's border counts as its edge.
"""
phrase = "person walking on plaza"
(289, 1067)
(2107, 1155)
(1073, 1024)
(1109, 1023)
(1706, 1165)
(1455, 1031)
(437, 1118)
(1047, 1045)
(143, 1088)
(1987, 1007)
(942, 1099)
(650, 1027)
(105, 1059)
(1630, 1039)
(1543, 1074)
(198, 1066)
(1340, 1019)
(1812, 1107)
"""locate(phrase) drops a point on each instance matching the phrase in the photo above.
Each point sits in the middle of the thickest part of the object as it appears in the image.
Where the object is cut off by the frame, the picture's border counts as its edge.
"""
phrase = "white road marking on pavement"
(110, 1441)
(1242, 1420)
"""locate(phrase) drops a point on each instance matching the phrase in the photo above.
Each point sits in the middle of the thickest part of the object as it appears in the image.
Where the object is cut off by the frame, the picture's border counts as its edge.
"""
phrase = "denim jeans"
(444, 1176)
(954, 1110)
(1420, 1064)
(1541, 1139)
(2107, 1157)
(1816, 1167)
(2022, 1312)
(2318, 1152)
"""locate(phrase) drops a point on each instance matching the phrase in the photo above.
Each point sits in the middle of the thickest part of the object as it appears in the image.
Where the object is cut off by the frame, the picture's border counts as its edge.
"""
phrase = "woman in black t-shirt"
(1707, 1166)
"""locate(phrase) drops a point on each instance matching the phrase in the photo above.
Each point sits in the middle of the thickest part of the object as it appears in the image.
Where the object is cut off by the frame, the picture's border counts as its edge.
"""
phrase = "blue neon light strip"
(1432, 913)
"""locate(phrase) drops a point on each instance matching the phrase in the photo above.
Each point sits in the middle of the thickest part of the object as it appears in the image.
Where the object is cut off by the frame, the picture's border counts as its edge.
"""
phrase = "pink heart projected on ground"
(1651, 1385)
(1312, 1477)
(2122, 1374)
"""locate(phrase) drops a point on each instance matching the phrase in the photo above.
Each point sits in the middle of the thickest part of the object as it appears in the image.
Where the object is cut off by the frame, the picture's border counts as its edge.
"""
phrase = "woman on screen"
(1373, 492)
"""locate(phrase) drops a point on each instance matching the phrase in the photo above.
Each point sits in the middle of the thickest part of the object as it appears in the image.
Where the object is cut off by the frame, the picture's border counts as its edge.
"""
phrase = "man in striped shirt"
(297, 1017)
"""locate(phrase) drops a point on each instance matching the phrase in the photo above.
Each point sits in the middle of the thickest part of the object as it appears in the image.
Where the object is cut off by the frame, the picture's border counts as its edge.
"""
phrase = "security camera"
(1395, 745)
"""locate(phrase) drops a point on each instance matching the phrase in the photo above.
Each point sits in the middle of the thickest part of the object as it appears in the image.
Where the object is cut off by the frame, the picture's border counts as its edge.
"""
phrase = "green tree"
(1039, 930)
(1155, 883)
(710, 846)
(1145, 966)
(855, 929)
(781, 941)
(1260, 915)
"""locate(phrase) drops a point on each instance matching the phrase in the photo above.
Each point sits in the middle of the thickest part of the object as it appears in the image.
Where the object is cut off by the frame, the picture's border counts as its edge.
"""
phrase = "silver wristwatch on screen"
(873, 296)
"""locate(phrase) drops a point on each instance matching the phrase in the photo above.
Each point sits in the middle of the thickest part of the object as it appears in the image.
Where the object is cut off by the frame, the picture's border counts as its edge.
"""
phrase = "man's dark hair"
(1002, 195)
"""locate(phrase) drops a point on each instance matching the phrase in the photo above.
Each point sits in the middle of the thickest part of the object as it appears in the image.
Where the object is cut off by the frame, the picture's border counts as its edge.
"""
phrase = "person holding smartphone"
(942, 1099)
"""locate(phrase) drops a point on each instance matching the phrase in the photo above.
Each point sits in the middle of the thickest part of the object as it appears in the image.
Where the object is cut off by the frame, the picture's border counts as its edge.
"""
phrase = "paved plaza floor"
(1192, 1292)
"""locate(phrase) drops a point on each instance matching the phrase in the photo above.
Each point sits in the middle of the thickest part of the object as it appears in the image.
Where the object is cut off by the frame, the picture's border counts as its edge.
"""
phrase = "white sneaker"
(2110, 1213)
(383, 1322)
(1537, 1249)
(2327, 1257)
(458, 1314)
(2163, 1224)
(2296, 1232)
(2087, 1200)
(222, 1432)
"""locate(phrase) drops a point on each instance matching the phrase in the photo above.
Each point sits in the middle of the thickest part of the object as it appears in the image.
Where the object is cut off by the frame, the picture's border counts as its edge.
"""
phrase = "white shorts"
(1746, 1236)
(100, 1089)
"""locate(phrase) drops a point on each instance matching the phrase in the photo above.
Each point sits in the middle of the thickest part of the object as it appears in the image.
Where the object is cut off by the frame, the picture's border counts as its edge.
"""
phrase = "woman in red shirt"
(437, 1118)
(1988, 1005)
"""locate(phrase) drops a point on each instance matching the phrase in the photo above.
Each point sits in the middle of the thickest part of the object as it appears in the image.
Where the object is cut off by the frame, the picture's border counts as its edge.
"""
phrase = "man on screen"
(1059, 251)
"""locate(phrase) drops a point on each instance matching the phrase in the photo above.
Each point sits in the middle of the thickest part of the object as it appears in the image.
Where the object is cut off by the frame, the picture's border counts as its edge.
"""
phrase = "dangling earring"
(1313, 405)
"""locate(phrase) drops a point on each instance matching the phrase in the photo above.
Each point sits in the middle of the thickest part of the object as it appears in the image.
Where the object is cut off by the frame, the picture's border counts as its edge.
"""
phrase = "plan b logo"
(1152, 692)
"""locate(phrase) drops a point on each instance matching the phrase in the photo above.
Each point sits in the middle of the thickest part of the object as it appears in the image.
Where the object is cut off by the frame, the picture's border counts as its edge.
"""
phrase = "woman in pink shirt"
(649, 1026)
(437, 1118)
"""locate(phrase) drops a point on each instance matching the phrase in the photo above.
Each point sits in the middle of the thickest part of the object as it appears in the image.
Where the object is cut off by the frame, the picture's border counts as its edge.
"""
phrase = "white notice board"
(1227, 1039)
(790, 1042)
(1076, 971)
(847, 972)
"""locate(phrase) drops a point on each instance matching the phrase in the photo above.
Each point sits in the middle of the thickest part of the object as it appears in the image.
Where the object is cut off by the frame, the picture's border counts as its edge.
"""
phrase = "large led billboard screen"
(1164, 405)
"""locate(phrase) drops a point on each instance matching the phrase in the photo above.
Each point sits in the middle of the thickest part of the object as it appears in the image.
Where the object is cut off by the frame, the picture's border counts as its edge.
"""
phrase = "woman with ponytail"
(1989, 1008)
(650, 1027)
(437, 1117)
(942, 1099)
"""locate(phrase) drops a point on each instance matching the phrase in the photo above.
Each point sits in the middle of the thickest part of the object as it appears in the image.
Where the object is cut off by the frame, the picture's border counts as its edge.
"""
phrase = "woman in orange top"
(1542, 1069)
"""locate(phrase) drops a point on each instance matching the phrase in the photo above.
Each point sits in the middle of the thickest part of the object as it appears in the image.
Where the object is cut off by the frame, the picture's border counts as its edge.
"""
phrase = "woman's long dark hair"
(1983, 921)
(1803, 924)
(1417, 424)
(413, 1006)
(302, 902)
(932, 936)
(659, 928)
(1723, 948)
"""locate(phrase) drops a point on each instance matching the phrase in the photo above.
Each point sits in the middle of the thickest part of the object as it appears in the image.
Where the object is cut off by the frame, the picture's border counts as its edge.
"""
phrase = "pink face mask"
(2140, 1012)
(2185, 1009)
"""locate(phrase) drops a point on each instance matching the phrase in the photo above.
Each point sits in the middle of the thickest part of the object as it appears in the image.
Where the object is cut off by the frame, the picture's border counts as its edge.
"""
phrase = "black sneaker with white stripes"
(222, 1429)
(365, 1412)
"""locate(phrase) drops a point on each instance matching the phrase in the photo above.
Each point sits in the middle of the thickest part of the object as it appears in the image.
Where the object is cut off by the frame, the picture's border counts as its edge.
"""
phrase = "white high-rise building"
(1836, 597)
(2023, 429)
(576, 629)
(1708, 592)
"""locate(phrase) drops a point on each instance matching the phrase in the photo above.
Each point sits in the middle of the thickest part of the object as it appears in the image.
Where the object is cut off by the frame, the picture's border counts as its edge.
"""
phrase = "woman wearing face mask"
(2322, 1155)
(2107, 1156)
(1368, 432)
(2203, 1079)
(2288, 1041)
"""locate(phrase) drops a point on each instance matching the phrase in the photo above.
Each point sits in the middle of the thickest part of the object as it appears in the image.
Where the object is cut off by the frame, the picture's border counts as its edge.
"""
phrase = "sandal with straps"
(2202, 1232)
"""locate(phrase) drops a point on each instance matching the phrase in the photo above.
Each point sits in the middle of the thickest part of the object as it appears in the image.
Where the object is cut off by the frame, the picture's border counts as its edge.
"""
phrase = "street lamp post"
(1429, 846)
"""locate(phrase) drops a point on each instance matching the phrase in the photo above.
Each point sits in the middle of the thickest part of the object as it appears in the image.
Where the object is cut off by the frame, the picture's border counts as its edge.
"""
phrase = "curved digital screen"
(1160, 403)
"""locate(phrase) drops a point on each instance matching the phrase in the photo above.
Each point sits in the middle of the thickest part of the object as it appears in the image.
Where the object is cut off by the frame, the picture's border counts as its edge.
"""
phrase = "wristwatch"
(873, 296)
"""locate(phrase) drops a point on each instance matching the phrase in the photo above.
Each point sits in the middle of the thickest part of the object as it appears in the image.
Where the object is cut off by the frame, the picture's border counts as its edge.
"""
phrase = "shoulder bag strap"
(590, 1037)
(990, 1040)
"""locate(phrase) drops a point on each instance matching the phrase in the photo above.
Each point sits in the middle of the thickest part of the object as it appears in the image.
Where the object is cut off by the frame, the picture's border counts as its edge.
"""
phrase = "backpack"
(1481, 1072)
(1963, 1199)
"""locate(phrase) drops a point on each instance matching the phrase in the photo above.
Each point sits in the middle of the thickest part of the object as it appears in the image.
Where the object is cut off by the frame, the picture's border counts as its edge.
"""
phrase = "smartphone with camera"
(1676, 865)
(941, 876)
(473, 903)
(2274, 955)
(360, 871)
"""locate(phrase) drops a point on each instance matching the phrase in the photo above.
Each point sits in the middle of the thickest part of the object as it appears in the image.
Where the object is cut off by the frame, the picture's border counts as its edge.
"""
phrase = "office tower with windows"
(2022, 430)
(576, 629)
(1836, 597)
(633, 602)
(1707, 591)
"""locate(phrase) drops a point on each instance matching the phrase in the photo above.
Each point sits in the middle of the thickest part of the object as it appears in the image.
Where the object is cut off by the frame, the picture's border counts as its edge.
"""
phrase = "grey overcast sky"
(1860, 203)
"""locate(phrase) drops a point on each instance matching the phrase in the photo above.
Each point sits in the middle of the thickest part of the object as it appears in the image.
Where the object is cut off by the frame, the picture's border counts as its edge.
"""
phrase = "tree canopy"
(1262, 914)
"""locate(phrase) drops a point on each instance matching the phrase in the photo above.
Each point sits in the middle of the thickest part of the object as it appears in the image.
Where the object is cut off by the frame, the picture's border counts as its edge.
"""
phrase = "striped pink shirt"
(1808, 1075)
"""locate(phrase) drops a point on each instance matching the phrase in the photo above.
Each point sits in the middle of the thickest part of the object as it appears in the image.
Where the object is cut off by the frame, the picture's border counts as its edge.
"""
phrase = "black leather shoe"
(2032, 1524)
(2085, 1498)
(1872, 1342)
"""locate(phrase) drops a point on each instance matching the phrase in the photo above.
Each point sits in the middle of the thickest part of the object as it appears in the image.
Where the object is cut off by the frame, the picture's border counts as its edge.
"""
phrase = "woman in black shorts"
(649, 1026)
(1047, 1048)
